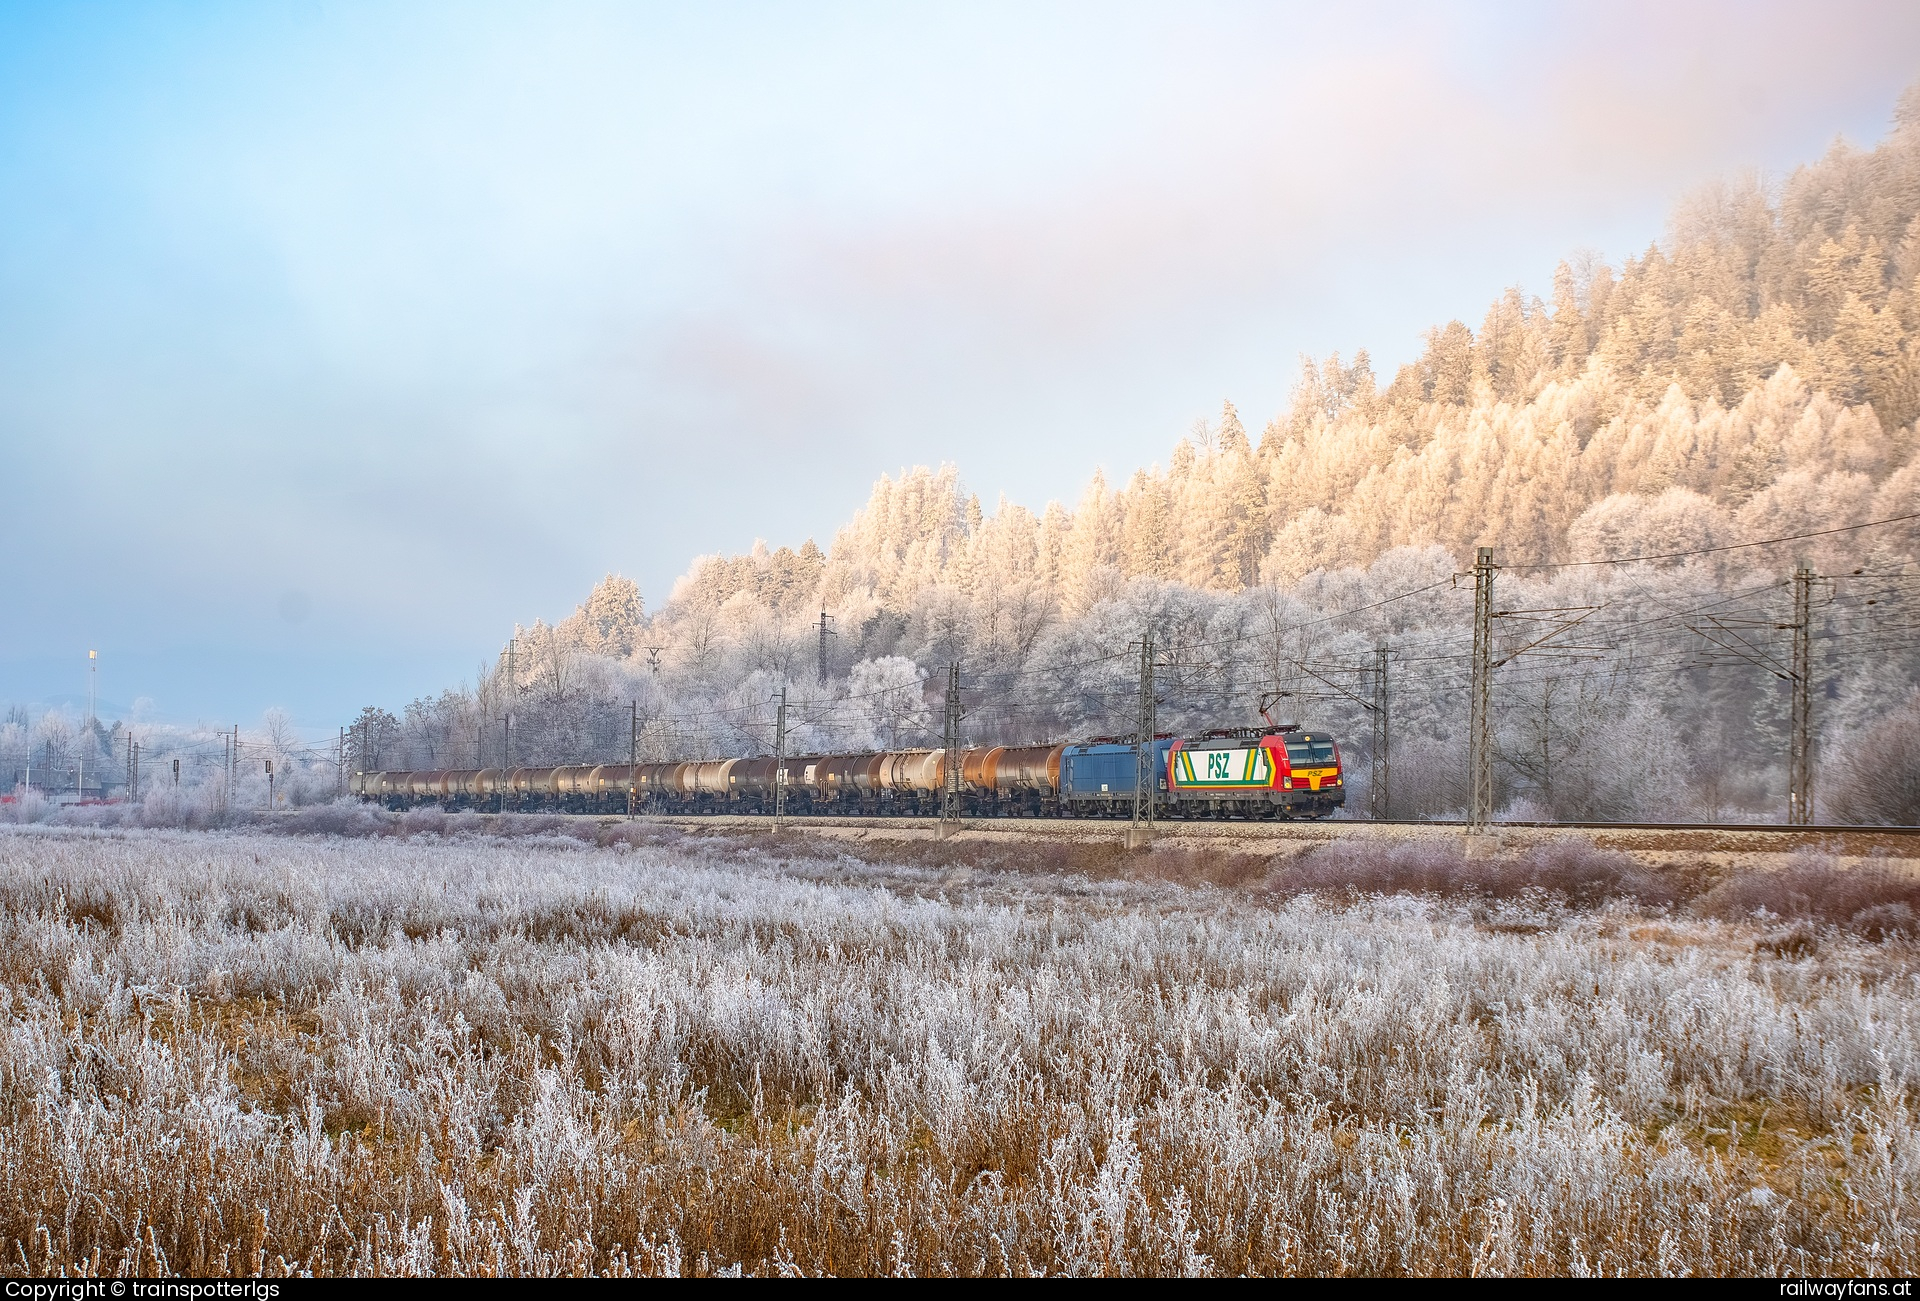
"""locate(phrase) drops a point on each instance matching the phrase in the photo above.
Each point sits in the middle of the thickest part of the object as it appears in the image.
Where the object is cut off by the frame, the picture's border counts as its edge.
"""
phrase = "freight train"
(1253, 772)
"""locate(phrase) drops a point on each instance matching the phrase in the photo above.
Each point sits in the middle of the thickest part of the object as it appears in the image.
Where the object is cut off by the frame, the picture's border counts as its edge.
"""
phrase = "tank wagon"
(1269, 772)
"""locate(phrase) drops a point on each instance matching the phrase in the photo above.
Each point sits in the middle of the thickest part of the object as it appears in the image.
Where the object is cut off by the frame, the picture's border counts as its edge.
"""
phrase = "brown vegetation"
(450, 1053)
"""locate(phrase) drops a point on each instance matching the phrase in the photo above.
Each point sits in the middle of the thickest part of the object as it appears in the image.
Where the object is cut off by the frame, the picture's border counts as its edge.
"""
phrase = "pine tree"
(1148, 547)
(1449, 365)
(1233, 435)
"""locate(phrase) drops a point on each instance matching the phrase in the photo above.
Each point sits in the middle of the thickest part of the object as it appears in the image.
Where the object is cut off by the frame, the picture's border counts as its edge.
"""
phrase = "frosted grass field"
(233, 1053)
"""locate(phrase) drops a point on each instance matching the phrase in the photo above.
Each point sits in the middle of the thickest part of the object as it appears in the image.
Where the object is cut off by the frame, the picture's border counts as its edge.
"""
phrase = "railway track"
(1263, 837)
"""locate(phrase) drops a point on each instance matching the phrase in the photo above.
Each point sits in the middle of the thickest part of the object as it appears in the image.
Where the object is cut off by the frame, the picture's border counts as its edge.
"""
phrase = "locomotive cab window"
(1310, 750)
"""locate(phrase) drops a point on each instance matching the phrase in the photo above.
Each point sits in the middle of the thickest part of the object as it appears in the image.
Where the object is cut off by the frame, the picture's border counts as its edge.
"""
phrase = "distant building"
(64, 787)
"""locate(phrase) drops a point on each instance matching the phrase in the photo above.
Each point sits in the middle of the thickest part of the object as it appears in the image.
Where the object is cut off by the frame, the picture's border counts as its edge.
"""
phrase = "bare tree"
(1877, 774)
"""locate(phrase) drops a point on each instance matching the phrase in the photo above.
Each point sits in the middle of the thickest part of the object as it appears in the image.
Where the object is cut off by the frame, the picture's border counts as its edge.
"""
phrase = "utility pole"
(130, 790)
(1800, 744)
(1379, 797)
(340, 766)
(1146, 773)
(826, 631)
(506, 758)
(780, 764)
(176, 774)
(653, 659)
(513, 683)
(950, 794)
(269, 764)
(1480, 725)
(633, 759)
(136, 772)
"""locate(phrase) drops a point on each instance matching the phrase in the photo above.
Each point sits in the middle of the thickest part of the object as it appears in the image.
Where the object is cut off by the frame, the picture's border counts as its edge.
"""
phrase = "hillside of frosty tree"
(1755, 374)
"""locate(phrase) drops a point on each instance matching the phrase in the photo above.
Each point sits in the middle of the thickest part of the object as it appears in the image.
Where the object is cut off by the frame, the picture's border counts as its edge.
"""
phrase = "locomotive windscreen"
(1309, 750)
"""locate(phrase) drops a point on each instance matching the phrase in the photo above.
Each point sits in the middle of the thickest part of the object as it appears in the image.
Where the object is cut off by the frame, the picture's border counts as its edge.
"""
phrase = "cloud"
(430, 316)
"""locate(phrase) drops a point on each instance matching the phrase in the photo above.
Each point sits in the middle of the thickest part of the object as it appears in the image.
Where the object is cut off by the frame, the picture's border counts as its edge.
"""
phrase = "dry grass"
(448, 1053)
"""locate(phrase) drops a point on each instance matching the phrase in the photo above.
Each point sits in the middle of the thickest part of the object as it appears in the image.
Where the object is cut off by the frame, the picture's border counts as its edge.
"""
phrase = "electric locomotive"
(1256, 772)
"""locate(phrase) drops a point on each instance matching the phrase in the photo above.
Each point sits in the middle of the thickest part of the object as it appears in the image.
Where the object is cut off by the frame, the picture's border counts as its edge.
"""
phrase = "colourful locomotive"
(1272, 772)
(1295, 773)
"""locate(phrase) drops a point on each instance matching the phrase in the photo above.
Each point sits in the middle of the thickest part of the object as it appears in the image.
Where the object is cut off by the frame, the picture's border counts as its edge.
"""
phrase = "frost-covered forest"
(1755, 375)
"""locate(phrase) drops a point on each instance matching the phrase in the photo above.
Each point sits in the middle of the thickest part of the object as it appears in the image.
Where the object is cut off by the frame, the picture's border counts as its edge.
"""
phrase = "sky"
(337, 339)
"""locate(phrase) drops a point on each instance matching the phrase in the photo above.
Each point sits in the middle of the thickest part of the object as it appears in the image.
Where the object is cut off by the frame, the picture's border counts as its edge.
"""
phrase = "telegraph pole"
(340, 766)
(136, 770)
(950, 795)
(506, 756)
(633, 761)
(1146, 773)
(1480, 726)
(780, 763)
(826, 631)
(1379, 797)
(1800, 744)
